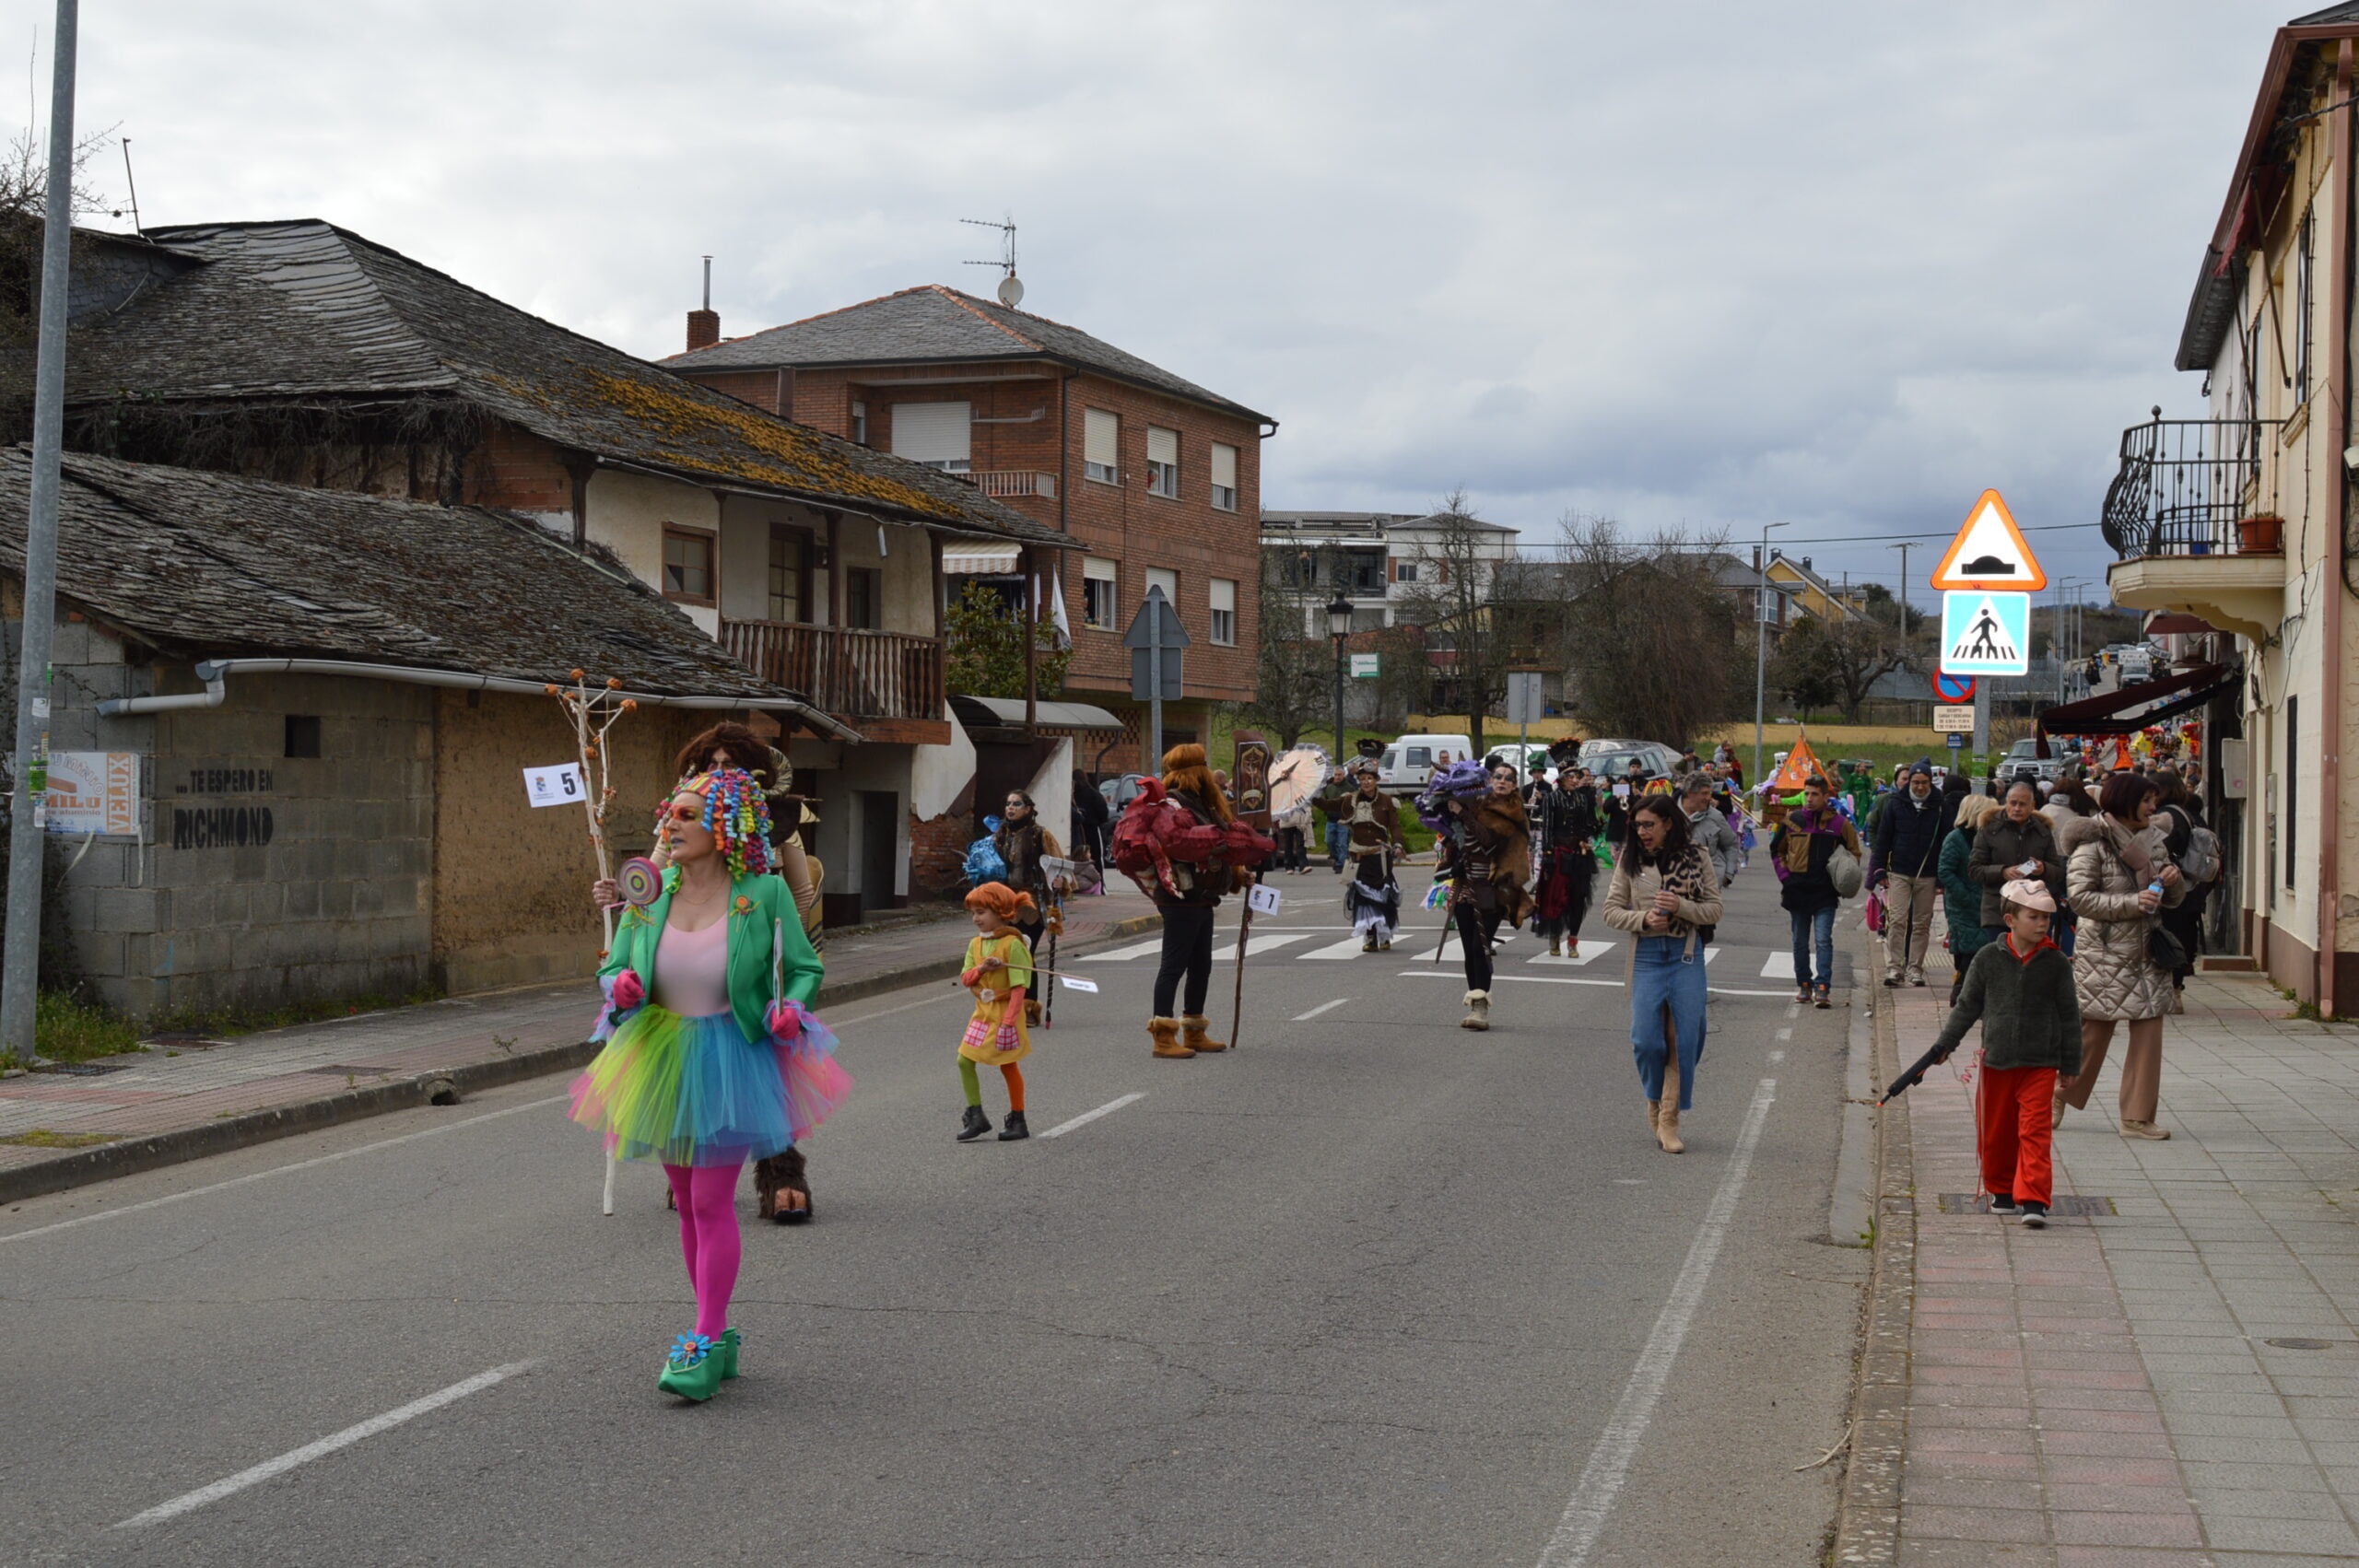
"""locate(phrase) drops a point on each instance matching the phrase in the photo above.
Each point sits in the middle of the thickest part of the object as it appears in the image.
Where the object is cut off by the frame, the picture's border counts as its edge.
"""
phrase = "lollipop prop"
(639, 881)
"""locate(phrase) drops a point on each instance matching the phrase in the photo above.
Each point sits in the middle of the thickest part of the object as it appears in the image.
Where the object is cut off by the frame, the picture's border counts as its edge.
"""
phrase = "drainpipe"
(2330, 793)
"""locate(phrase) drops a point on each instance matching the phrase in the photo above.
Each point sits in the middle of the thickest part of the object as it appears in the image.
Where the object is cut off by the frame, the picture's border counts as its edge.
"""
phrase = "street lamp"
(1760, 645)
(1338, 627)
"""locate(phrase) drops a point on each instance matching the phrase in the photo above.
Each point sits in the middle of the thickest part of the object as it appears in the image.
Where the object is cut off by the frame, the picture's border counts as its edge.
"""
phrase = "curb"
(1867, 1519)
(182, 1144)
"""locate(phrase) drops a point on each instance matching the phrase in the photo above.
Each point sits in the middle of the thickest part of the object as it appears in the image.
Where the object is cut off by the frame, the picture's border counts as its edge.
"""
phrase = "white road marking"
(1608, 1468)
(1322, 1007)
(284, 1170)
(1587, 955)
(1779, 967)
(1262, 942)
(888, 1011)
(1775, 1057)
(1137, 950)
(1730, 991)
(1787, 1033)
(1086, 1118)
(1519, 979)
(190, 1501)
(1346, 949)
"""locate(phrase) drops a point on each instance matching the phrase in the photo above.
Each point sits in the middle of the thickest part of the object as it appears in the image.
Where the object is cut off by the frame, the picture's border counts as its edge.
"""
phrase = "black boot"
(975, 1126)
(1016, 1127)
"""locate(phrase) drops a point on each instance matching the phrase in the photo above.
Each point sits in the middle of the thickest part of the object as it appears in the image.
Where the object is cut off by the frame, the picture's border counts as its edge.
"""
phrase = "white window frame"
(1163, 472)
(1101, 460)
(1101, 586)
(1221, 595)
(1223, 477)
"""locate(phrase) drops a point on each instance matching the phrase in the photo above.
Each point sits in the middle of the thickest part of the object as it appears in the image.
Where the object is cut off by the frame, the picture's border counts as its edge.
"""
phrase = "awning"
(2104, 715)
(1053, 714)
(2179, 622)
(983, 561)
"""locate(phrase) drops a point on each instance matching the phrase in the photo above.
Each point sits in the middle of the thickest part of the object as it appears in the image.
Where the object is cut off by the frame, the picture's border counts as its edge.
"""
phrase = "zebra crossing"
(1514, 949)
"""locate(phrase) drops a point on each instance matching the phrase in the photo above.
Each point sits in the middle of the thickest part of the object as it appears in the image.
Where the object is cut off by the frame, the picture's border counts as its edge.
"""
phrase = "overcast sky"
(1713, 265)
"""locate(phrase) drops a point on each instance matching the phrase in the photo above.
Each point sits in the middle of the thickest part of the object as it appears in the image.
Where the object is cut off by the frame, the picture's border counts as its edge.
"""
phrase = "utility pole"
(1760, 645)
(28, 827)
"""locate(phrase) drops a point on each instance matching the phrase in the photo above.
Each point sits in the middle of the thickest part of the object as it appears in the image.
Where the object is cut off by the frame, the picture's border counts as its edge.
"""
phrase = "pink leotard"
(692, 970)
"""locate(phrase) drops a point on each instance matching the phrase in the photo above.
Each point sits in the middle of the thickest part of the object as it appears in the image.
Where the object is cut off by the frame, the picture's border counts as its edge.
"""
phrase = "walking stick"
(1056, 930)
(1244, 932)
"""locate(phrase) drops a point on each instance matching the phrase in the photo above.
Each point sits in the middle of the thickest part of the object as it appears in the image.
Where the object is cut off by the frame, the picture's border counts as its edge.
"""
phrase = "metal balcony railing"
(1014, 482)
(2183, 484)
(846, 672)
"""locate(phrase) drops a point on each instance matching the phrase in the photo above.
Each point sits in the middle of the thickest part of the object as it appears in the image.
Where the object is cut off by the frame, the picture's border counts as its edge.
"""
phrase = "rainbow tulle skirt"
(696, 1092)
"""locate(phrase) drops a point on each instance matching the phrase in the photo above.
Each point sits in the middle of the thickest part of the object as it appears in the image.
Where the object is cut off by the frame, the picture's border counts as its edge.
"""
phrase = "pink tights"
(707, 1196)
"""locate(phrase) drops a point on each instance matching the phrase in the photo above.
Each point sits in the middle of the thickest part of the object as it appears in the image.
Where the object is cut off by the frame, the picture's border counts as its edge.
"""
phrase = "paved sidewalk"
(179, 1100)
(2173, 1379)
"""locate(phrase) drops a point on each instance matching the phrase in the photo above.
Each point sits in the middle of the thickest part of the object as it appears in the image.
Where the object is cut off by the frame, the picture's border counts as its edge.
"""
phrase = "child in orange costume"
(999, 971)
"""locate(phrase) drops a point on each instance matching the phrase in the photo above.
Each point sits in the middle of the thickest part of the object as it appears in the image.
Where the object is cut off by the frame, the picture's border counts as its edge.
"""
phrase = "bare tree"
(1293, 685)
(1452, 600)
(1649, 634)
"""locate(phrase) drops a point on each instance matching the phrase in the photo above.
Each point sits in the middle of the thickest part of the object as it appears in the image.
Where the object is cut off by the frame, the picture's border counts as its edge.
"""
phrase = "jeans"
(1339, 835)
(1819, 926)
(1186, 950)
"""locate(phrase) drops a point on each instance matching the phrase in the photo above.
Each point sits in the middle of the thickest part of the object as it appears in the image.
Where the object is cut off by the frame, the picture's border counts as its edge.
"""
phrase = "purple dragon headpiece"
(1468, 780)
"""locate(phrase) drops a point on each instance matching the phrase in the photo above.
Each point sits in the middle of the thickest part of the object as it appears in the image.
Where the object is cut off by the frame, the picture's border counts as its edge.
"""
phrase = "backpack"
(984, 862)
(2202, 862)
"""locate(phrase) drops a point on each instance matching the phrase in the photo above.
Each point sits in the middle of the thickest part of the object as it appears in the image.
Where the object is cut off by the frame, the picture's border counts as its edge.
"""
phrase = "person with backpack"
(1905, 859)
(2194, 848)
(1802, 853)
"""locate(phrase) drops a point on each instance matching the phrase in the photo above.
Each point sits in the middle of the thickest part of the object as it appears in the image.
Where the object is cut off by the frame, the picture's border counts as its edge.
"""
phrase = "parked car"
(2023, 761)
(1408, 762)
(1612, 759)
(1120, 790)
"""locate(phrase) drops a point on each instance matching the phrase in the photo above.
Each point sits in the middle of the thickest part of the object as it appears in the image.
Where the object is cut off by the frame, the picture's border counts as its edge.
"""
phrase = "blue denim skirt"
(1664, 978)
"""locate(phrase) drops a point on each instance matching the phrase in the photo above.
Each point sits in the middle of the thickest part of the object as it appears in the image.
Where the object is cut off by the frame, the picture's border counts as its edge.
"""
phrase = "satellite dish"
(1011, 291)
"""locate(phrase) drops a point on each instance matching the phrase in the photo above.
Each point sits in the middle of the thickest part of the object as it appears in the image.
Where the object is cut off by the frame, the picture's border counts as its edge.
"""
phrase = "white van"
(1408, 762)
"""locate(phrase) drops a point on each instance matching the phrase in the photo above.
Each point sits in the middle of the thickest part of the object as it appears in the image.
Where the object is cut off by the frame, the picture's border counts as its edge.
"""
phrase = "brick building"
(301, 352)
(1158, 478)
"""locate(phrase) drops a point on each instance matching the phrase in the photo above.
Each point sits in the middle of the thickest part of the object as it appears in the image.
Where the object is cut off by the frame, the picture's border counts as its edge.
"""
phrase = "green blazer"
(761, 912)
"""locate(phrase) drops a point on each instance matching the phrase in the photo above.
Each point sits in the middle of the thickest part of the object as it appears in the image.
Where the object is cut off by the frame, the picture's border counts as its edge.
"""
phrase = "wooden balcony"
(887, 685)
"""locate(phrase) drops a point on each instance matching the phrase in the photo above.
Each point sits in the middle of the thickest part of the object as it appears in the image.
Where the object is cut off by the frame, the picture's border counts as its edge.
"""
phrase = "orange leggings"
(1007, 1069)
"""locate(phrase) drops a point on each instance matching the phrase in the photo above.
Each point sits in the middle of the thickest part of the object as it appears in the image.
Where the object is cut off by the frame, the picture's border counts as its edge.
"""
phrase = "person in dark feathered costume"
(1482, 841)
(1373, 839)
(1565, 826)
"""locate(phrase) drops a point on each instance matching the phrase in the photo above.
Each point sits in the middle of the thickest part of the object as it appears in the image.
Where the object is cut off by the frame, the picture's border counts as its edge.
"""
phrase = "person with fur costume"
(1371, 821)
(1181, 843)
(1482, 842)
(1565, 823)
(714, 1056)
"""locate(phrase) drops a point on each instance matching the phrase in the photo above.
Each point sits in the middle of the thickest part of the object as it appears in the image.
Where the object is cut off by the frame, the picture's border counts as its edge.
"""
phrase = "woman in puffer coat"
(2119, 875)
(1961, 900)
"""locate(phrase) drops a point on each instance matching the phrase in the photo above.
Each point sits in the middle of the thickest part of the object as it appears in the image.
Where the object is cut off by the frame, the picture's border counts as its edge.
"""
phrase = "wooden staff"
(1244, 932)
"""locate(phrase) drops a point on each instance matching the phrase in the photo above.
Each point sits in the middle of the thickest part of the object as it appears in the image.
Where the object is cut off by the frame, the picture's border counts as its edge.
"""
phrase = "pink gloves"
(786, 1019)
(629, 990)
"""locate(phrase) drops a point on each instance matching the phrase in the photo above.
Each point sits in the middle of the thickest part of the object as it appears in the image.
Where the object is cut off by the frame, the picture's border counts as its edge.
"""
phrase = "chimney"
(704, 326)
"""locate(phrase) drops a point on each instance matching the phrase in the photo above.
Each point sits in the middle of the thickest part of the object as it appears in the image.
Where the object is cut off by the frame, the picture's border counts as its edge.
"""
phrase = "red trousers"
(2013, 1117)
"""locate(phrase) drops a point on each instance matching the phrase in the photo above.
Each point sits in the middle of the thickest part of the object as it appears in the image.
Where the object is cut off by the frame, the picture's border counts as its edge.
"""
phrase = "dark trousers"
(1475, 932)
(1186, 950)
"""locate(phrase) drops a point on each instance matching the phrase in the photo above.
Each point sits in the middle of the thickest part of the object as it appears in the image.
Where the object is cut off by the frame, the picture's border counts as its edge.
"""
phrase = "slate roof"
(305, 310)
(933, 325)
(212, 565)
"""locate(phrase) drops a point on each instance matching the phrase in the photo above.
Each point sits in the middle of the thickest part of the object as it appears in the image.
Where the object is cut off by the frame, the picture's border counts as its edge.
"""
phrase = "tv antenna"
(1011, 287)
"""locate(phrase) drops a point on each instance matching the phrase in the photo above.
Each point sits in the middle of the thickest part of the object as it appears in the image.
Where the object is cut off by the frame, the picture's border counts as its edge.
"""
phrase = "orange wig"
(1186, 768)
(1001, 900)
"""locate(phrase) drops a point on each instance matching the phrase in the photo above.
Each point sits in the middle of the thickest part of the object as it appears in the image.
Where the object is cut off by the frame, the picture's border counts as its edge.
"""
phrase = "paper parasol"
(1295, 776)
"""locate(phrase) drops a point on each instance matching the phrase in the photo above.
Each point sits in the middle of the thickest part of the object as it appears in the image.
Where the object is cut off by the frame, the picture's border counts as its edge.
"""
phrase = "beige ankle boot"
(1478, 1011)
(1165, 1032)
(1667, 1118)
(1196, 1030)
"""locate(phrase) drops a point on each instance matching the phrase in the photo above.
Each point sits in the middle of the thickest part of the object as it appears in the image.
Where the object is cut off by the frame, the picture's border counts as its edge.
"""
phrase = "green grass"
(42, 1138)
(67, 1029)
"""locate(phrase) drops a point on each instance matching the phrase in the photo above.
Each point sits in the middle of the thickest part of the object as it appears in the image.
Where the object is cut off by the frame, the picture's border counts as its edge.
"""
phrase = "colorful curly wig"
(737, 815)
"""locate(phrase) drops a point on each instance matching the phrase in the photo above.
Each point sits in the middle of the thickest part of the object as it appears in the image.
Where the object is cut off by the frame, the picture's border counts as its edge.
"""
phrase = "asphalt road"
(1371, 1290)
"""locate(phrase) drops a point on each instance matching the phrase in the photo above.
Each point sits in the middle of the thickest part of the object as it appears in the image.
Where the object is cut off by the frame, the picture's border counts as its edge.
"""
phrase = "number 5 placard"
(554, 786)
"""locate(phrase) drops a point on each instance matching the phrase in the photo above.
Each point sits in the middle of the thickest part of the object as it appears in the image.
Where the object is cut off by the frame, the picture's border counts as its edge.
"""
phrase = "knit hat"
(2030, 893)
(1920, 765)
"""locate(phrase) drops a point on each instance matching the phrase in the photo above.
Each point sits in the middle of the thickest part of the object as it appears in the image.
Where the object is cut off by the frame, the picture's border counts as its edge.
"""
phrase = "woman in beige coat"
(2117, 875)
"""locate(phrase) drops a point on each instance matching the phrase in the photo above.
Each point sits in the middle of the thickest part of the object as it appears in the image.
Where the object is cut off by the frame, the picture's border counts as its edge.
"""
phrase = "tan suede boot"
(1165, 1032)
(1667, 1118)
(1654, 1110)
(1195, 1027)
(1478, 1011)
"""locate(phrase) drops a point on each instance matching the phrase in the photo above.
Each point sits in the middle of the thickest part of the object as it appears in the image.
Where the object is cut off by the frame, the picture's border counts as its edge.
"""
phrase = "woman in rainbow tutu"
(714, 1058)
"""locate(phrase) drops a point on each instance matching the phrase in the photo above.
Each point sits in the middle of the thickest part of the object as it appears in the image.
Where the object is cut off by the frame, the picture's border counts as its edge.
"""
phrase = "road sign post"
(1156, 639)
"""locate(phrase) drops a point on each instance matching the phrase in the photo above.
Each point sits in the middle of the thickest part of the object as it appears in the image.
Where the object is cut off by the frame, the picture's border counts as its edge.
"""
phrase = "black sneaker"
(2002, 1203)
(2034, 1216)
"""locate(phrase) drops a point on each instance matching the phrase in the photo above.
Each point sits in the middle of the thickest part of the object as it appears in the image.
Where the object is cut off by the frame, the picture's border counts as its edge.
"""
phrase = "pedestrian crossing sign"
(1986, 634)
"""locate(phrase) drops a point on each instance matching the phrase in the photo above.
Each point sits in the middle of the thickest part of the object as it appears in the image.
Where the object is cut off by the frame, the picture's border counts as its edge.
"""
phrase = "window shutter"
(1100, 438)
(1224, 466)
(1224, 594)
(1162, 446)
(1095, 570)
(932, 432)
(1166, 579)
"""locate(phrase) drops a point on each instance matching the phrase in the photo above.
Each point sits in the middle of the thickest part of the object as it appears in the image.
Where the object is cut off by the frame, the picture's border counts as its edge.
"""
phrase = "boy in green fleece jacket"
(2020, 989)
